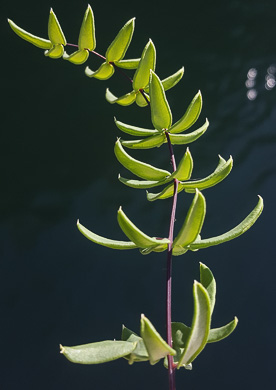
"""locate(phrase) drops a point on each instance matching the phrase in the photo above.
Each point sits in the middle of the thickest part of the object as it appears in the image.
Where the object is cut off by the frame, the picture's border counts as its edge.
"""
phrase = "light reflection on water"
(269, 81)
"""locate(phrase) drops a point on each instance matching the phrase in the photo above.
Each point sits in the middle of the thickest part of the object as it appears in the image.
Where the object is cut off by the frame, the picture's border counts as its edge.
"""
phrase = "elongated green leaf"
(218, 334)
(134, 130)
(161, 115)
(170, 81)
(148, 143)
(208, 281)
(96, 353)
(55, 32)
(200, 326)
(141, 239)
(140, 353)
(233, 233)
(139, 168)
(124, 100)
(78, 57)
(157, 347)
(183, 139)
(190, 116)
(142, 99)
(55, 52)
(87, 38)
(128, 64)
(193, 222)
(113, 244)
(184, 168)
(104, 72)
(167, 192)
(36, 41)
(147, 63)
(119, 46)
(221, 172)
(142, 184)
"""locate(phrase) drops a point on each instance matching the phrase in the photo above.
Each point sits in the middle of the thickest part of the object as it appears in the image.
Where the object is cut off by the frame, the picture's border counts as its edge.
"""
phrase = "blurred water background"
(57, 141)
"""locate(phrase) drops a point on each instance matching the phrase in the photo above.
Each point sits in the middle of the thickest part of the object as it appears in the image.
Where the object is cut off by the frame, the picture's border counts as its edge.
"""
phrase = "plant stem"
(171, 368)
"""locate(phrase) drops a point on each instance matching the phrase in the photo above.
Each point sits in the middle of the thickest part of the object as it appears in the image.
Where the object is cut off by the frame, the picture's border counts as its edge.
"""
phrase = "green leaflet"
(104, 72)
(142, 184)
(55, 52)
(128, 64)
(182, 139)
(167, 192)
(119, 46)
(134, 130)
(147, 63)
(141, 169)
(184, 168)
(36, 41)
(55, 32)
(78, 57)
(161, 115)
(148, 143)
(142, 99)
(136, 235)
(218, 334)
(171, 81)
(180, 334)
(193, 222)
(124, 100)
(113, 244)
(208, 281)
(190, 115)
(157, 348)
(87, 38)
(139, 354)
(100, 352)
(199, 333)
(233, 233)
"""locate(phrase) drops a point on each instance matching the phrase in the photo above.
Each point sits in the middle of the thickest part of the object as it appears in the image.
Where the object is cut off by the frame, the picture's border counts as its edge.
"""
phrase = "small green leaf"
(142, 99)
(161, 115)
(148, 143)
(172, 80)
(184, 168)
(119, 46)
(147, 63)
(87, 38)
(221, 172)
(36, 41)
(104, 72)
(78, 57)
(183, 139)
(55, 32)
(190, 115)
(180, 334)
(208, 281)
(193, 222)
(167, 192)
(233, 233)
(157, 347)
(139, 168)
(96, 353)
(124, 100)
(134, 130)
(141, 239)
(113, 244)
(55, 52)
(200, 326)
(128, 64)
(142, 184)
(140, 353)
(218, 334)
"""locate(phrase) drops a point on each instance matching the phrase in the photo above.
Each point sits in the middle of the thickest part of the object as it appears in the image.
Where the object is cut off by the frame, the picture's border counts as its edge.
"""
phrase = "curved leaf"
(184, 168)
(134, 130)
(78, 57)
(139, 168)
(167, 192)
(141, 239)
(148, 143)
(87, 38)
(142, 99)
(142, 184)
(36, 41)
(128, 64)
(55, 52)
(96, 353)
(104, 72)
(55, 32)
(182, 139)
(157, 347)
(161, 115)
(233, 233)
(147, 63)
(140, 353)
(113, 244)
(208, 281)
(200, 326)
(193, 222)
(119, 46)
(218, 334)
(124, 100)
(190, 115)
(221, 172)
(172, 80)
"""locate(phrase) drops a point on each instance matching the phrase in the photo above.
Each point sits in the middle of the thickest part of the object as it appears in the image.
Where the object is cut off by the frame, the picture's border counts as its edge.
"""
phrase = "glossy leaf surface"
(96, 353)
(190, 116)
(119, 46)
(233, 233)
(161, 115)
(157, 347)
(55, 32)
(87, 38)
(146, 64)
(36, 41)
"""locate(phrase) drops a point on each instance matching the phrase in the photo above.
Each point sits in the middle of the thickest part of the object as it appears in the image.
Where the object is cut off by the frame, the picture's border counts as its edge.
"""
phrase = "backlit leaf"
(161, 115)
(37, 41)
(104, 72)
(184, 168)
(183, 139)
(208, 281)
(119, 46)
(148, 143)
(190, 116)
(124, 100)
(128, 64)
(55, 32)
(147, 63)
(78, 57)
(55, 52)
(142, 184)
(134, 130)
(87, 38)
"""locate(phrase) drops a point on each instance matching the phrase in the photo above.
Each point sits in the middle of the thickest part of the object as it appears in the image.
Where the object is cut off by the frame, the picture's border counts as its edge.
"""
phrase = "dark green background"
(57, 137)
